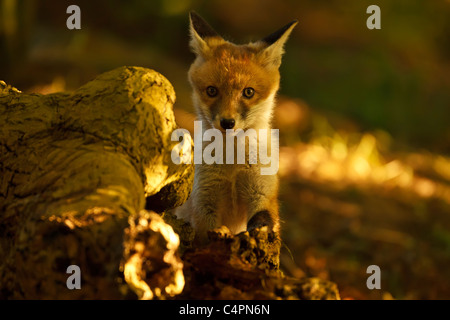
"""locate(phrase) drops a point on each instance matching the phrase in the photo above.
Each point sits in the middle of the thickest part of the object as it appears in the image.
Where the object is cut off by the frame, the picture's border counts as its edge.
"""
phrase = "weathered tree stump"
(74, 169)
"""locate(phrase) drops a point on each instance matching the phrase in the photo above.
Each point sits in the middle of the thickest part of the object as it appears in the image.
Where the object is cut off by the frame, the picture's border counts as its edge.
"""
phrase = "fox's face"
(235, 85)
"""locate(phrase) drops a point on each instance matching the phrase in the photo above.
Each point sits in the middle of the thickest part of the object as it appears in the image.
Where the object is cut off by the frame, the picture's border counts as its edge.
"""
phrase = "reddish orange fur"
(231, 68)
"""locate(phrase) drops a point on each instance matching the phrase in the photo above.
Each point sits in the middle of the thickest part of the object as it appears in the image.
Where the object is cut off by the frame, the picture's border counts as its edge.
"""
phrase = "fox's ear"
(201, 35)
(272, 45)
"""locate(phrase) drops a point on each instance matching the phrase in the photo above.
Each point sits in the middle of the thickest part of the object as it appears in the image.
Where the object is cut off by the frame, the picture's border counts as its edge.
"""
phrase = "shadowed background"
(363, 117)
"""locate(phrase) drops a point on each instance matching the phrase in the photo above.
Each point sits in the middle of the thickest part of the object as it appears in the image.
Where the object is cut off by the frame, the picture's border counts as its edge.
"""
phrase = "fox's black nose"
(227, 123)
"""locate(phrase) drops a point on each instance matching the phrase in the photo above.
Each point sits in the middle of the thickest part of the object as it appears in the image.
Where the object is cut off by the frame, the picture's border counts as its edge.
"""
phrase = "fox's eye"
(211, 91)
(248, 92)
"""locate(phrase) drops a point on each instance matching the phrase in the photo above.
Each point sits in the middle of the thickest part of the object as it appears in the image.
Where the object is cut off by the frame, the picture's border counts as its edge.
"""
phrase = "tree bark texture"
(75, 168)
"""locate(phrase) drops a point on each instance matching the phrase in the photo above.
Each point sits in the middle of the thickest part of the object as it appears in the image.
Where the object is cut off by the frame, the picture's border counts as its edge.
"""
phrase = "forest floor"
(349, 201)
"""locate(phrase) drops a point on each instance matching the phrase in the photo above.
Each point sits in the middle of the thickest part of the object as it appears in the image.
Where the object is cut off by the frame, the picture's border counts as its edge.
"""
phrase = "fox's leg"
(199, 211)
(260, 194)
(207, 199)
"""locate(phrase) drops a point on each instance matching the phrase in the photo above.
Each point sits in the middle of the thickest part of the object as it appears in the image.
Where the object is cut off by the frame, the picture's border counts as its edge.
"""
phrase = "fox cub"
(234, 87)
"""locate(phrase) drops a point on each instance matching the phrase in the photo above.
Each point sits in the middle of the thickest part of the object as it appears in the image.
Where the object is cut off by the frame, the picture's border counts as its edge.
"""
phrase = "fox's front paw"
(260, 219)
